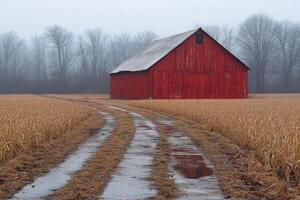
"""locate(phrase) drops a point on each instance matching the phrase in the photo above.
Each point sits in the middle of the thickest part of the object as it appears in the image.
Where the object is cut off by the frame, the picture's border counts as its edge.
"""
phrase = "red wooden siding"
(189, 71)
(128, 85)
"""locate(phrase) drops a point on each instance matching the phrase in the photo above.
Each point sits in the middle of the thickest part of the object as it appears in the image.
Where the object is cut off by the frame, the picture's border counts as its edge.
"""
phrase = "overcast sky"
(165, 17)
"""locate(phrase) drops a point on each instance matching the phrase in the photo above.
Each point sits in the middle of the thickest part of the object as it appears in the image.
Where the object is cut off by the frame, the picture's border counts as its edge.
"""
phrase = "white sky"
(165, 17)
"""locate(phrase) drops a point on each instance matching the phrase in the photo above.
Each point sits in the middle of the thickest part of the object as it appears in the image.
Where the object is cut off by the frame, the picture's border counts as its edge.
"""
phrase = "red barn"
(189, 65)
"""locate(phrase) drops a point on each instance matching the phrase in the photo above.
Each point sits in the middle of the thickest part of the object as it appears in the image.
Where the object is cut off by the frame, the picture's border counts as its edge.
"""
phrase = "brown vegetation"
(28, 122)
(269, 127)
(240, 174)
(160, 177)
(20, 170)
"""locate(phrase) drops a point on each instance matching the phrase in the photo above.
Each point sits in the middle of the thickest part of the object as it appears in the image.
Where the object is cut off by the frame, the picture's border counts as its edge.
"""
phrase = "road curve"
(57, 177)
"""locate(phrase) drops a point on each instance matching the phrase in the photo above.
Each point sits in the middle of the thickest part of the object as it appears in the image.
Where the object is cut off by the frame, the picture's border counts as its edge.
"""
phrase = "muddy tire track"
(160, 177)
(131, 179)
(91, 180)
(57, 177)
(192, 172)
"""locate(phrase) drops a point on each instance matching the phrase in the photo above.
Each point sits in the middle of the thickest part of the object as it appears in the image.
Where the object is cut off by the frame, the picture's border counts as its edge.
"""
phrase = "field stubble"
(28, 122)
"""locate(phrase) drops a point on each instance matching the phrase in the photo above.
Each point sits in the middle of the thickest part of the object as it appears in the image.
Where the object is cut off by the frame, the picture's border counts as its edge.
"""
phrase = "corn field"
(270, 127)
(28, 122)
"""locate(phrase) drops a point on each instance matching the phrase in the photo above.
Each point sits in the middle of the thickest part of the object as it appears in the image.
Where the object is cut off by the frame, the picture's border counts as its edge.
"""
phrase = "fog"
(165, 17)
(95, 36)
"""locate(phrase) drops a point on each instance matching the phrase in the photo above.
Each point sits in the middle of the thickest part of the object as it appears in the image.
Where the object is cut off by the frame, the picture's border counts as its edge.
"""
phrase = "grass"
(165, 185)
(28, 122)
(269, 127)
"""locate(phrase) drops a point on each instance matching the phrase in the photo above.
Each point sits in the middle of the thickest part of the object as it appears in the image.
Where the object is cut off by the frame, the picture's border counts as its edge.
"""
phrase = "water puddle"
(60, 175)
(191, 171)
(191, 164)
(130, 180)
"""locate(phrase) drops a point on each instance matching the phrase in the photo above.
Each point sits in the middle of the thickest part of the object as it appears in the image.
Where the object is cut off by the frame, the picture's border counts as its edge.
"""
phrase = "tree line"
(60, 61)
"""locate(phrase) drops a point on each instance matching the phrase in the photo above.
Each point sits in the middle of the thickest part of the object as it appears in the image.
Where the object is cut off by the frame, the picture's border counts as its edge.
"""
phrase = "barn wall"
(199, 71)
(127, 85)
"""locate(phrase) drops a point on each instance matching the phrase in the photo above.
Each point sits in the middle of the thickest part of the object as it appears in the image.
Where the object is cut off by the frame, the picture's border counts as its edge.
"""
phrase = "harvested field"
(271, 128)
(28, 122)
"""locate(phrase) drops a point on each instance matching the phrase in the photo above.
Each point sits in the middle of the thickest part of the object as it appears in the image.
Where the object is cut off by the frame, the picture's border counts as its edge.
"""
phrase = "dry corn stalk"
(28, 122)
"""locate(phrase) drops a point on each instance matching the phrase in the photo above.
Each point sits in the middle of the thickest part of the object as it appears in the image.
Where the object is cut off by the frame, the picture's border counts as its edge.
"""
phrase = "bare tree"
(228, 40)
(83, 59)
(256, 38)
(23, 63)
(17, 58)
(38, 49)
(96, 44)
(144, 39)
(11, 45)
(124, 46)
(288, 38)
(62, 41)
(223, 34)
(121, 48)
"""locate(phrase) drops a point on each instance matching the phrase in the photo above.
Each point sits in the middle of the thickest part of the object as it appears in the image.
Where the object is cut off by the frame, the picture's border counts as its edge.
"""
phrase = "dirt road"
(138, 154)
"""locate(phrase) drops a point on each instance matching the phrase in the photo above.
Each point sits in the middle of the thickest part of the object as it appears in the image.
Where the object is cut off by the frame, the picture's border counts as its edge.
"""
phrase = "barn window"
(199, 38)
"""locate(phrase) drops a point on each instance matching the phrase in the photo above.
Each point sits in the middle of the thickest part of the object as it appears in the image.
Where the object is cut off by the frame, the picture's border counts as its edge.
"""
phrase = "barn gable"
(158, 50)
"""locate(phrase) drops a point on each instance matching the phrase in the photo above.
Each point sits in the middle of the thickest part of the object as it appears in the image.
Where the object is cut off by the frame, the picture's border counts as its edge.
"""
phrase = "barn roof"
(156, 51)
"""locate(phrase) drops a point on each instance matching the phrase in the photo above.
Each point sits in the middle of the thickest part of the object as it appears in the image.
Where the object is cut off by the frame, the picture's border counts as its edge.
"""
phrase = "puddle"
(191, 171)
(170, 129)
(130, 180)
(144, 126)
(57, 177)
(190, 164)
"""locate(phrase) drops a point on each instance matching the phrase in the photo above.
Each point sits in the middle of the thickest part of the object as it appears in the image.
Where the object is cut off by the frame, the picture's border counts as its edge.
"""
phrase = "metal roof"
(156, 51)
